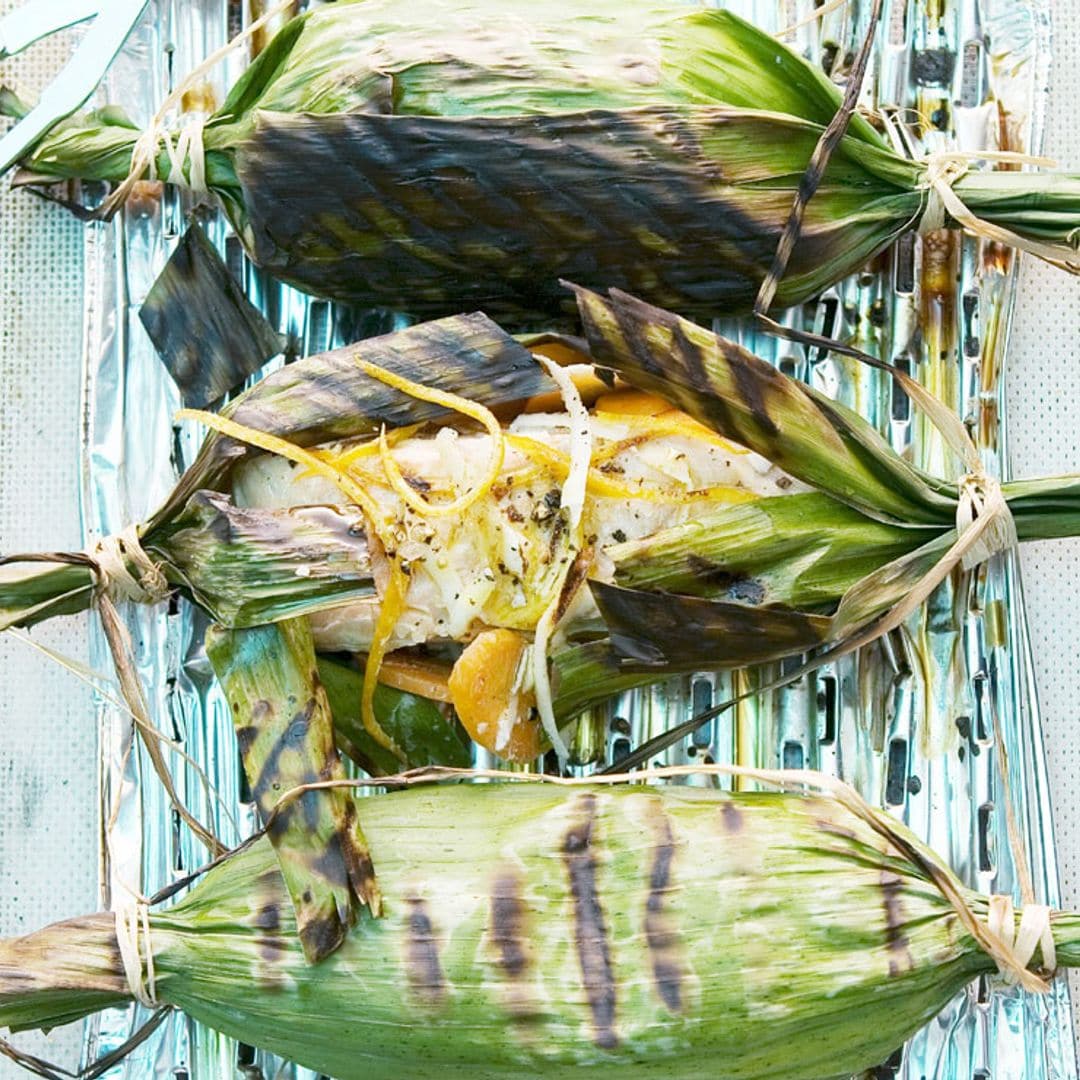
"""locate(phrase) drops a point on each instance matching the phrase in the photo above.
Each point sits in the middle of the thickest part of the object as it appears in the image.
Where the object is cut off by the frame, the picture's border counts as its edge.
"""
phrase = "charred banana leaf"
(441, 156)
(530, 931)
(283, 725)
(644, 199)
(208, 334)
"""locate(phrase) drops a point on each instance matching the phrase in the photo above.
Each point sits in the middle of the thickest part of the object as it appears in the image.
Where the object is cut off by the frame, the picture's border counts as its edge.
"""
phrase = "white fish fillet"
(489, 566)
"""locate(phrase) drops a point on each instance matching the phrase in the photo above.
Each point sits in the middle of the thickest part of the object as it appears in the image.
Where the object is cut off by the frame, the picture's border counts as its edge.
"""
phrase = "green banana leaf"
(375, 149)
(423, 732)
(285, 731)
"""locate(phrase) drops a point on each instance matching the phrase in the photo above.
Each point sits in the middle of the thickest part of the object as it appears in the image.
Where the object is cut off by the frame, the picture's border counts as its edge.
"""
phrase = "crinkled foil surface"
(917, 722)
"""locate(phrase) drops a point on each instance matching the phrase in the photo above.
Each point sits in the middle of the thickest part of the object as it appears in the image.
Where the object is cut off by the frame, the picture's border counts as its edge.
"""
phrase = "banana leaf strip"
(328, 396)
(418, 727)
(285, 731)
(247, 566)
(739, 395)
(803, 551)
(674, 633)
(208, 334)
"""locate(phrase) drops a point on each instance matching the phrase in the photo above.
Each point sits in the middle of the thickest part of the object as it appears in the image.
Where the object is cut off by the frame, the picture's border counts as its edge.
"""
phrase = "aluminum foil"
(917, 722)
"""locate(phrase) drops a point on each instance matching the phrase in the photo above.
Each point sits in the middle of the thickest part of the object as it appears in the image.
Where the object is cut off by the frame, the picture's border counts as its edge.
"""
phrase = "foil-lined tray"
(917, 722)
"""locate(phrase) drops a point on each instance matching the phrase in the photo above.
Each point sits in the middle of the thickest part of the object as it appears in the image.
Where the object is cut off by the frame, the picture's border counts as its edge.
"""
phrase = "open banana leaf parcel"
(375, 148)
(474, 523)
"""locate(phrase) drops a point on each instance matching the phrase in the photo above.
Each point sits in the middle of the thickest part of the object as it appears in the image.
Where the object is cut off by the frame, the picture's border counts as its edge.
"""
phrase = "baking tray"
(916, 722)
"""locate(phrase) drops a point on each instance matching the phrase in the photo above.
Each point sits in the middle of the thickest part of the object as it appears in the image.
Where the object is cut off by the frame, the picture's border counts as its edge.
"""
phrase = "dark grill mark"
(358, 863)
(508, 925)
(590, 930)
(268, 917)
(662, 939)
(245, 735)
(747, 370)
(329, 862)
(294, 736)
(737, 587)
(731, 815)
(631, 340)
(896, 939)
(322, 934)
(270, 943)
(272, 948)
(422, 967)
(692, 355)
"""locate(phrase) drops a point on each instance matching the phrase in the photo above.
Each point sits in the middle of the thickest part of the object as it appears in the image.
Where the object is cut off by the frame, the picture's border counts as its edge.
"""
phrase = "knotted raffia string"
(123, 570)
(945, 168)
(1034, 932)
(1010, 951)
(817, 14)
(188, 148)
(135, 942)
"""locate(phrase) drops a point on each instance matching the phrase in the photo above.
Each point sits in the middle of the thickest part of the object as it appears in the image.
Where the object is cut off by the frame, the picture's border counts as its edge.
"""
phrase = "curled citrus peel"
(472, 409)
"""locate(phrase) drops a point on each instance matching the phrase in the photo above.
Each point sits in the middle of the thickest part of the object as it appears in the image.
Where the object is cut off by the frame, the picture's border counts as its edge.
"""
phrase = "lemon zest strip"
(395, 593)
(472, 409)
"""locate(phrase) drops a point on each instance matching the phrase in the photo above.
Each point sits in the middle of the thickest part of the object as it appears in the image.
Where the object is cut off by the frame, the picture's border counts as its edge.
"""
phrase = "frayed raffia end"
(134, 941)
(945, 169)
(188, 149)
(125, 571)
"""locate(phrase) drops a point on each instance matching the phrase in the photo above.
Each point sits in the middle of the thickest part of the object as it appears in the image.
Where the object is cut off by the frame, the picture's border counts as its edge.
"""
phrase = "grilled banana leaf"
(445, 156)
(283, 725)
(670, 931)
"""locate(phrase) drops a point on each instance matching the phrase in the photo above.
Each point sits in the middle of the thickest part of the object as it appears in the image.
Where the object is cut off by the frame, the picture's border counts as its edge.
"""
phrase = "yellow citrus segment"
(492, 706)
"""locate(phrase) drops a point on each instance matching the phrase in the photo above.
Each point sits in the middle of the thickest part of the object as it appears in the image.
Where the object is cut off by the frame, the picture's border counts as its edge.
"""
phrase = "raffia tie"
(1034, 933)
(188, 149)
(984, 522)
(125, 571)
(146, 584)
(981, 497)
(944, 169)
(134, 941)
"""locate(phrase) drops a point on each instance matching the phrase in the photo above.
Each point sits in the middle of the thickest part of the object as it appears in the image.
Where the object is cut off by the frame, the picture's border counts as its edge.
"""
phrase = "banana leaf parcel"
(374, 149)
(703, 511)
(530, 930)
